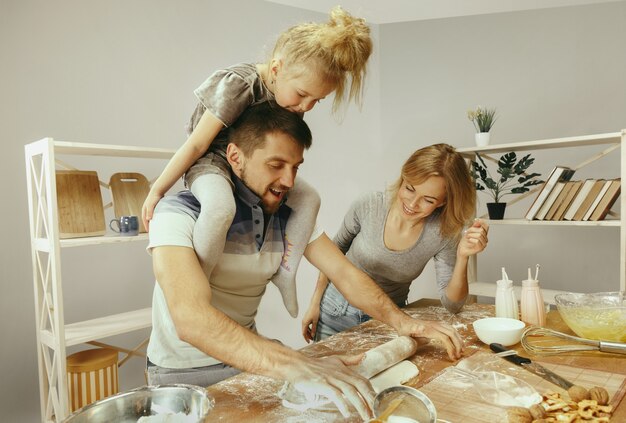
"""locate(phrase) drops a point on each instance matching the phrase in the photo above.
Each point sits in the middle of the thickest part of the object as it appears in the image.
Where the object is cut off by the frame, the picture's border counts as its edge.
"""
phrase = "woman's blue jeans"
(336, 314)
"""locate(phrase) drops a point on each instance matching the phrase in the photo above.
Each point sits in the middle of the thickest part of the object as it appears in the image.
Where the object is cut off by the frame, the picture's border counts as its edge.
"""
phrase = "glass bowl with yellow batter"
(600, 316)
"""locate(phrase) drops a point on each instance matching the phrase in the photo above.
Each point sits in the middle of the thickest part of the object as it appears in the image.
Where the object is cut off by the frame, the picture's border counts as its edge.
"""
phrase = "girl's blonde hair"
(337, 49)
(442, 160)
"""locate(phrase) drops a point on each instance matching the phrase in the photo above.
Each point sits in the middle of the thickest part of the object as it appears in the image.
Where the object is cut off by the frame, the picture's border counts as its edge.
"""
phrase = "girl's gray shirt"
(226, 94)
(361, 239)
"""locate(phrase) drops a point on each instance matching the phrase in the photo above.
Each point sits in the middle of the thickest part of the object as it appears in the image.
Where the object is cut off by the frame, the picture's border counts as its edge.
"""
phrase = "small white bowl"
(501, 330)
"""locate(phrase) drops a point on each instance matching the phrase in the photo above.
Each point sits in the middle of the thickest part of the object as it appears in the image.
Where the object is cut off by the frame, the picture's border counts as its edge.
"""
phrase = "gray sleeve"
(173, 221)
(226, 95)
(444, 267)
(351, 225)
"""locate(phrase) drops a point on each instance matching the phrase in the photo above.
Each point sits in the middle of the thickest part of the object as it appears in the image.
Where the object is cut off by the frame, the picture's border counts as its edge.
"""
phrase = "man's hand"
(443, 332)
(331, 378)
(309, 322)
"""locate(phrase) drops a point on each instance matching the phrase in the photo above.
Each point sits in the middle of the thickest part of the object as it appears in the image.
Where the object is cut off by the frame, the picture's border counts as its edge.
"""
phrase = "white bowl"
(501, 330)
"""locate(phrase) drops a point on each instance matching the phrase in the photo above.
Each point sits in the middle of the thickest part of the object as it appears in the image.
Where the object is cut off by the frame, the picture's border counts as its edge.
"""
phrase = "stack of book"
(560, 198)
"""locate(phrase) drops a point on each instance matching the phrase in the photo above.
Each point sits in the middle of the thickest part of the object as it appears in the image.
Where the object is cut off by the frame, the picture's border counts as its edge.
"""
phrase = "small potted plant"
(483, 120)
(513, 179)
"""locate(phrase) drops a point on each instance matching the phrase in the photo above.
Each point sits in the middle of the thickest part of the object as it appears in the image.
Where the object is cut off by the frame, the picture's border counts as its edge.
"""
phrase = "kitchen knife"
(539, 370)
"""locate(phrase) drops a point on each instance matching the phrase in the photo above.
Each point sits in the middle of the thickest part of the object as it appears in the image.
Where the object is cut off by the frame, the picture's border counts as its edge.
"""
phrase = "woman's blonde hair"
(442, 160)
(337, 49)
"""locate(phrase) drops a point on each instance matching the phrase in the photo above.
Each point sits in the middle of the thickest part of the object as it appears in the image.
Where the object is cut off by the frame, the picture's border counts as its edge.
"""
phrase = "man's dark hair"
(249, 130)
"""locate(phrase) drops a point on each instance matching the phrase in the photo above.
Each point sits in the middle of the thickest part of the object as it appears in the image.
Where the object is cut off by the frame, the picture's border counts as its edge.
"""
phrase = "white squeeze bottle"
(531, 301)
(506, 303)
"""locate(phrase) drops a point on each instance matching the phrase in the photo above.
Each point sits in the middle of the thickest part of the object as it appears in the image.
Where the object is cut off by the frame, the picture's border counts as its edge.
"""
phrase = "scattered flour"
(168, 418)
(400, 419)
(257, 395)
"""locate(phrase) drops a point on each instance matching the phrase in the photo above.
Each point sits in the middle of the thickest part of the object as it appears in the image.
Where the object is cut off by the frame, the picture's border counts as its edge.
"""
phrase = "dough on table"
(375, 360)
(394, 376)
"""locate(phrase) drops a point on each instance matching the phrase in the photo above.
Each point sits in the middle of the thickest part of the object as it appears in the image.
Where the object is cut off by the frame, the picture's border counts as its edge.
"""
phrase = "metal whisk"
(542, 341)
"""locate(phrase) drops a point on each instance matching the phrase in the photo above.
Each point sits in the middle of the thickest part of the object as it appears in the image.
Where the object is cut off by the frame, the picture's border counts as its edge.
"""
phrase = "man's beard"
(266, 208)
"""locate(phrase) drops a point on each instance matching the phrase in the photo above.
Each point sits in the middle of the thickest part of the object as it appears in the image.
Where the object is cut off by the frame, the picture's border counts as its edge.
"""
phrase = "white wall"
(123, 73)
(551, 73)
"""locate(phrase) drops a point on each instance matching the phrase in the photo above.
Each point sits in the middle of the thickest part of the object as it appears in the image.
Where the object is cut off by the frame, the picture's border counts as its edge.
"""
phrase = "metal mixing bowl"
(599, 316)
(415, 406)
(127, 407)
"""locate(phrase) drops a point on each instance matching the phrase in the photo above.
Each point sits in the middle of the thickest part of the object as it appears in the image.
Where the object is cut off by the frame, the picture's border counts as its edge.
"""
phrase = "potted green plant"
(483, 120)
(513, 179)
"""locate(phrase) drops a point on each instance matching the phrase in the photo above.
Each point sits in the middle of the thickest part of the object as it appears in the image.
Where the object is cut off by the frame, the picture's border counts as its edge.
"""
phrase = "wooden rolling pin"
(375, 361)
(386, 355)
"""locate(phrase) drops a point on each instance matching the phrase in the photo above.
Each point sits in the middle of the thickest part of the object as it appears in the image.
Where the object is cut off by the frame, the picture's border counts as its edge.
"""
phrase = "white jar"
(506, 303)
(531, 303)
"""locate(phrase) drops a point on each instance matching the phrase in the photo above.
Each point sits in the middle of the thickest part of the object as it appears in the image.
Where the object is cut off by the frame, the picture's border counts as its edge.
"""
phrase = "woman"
(391, 236)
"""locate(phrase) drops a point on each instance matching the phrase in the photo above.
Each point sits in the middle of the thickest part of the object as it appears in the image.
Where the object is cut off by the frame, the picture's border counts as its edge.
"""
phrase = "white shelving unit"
(607, 143)
(53, 335)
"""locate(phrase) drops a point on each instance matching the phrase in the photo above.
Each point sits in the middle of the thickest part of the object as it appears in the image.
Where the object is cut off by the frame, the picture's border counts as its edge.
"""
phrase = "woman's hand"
(474, 239)
(309, 321)
(442, 332)
(147, 209)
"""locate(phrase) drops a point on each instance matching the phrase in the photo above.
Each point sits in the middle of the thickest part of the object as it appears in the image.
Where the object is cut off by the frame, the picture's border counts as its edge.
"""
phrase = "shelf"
(54, 336)
(486, 289)
(102, 327)
(582, 141)
(85, 149)
(43, 244)
(613, 222)
(98, 240)
(609, 143)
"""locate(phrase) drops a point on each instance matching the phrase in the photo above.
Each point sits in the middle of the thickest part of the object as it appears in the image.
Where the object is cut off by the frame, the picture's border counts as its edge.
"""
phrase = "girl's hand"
(474, 239)
(148, 208)
(309, 322)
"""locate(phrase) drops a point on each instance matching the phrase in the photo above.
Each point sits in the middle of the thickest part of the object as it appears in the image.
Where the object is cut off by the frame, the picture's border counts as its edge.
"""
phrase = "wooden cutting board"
(79, 203)
(129, 190)
(463, 404)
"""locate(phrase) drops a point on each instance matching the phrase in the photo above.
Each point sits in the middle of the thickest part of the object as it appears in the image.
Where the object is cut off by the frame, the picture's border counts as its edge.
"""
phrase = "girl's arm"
(473, 241)
(196, 145)
(312, 315)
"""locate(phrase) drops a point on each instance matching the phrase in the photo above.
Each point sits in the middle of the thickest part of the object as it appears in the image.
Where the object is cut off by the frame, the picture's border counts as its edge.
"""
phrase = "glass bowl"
(600, 316)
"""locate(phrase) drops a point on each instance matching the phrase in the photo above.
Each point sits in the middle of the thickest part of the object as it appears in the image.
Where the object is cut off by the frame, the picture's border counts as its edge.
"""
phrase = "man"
(204, 325)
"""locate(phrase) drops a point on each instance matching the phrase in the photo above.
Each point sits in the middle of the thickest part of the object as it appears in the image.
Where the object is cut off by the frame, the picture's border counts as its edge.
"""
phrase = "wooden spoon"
(388, 411)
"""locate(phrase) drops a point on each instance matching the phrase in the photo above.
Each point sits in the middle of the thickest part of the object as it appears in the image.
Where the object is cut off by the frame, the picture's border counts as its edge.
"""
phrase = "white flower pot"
(482, 139)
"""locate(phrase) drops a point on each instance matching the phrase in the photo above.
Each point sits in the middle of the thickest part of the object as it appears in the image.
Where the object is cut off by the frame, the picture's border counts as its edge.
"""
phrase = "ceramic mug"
(126, 225)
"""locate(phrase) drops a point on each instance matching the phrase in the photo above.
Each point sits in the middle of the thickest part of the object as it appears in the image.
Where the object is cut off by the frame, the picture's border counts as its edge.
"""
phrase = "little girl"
(309, 62)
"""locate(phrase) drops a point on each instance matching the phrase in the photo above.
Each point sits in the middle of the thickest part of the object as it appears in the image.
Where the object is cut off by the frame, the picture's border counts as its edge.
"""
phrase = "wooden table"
(252, 398)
